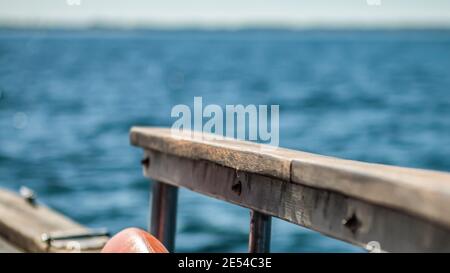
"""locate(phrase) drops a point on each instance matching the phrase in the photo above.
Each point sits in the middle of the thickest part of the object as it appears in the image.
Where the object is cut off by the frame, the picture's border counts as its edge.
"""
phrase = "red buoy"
(134, 240)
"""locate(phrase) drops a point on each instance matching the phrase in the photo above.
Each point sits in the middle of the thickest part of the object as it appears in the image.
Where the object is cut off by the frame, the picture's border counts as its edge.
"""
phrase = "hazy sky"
(229, 13)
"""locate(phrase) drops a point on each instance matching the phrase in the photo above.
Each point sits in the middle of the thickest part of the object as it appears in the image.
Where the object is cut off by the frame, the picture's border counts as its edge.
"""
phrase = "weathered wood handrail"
(401, 209)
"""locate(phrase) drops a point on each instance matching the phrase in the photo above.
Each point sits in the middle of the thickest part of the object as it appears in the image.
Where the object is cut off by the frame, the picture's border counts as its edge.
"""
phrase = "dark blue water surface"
(69, 98)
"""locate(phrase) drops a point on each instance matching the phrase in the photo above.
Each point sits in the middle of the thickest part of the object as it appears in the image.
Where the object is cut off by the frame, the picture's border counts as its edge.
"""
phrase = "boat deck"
(6, 247)
(23, 225)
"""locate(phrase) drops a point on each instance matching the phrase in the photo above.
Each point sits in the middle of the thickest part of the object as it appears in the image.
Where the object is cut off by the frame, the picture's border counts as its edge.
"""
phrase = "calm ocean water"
(69, 98)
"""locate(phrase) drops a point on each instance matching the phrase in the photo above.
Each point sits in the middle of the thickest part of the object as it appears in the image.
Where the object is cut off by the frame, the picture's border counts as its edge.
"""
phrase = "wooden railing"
(394, 208)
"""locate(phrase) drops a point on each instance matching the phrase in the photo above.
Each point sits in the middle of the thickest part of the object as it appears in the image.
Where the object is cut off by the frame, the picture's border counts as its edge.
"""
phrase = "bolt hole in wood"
(352, 223)
(145, 162)
(237, 187)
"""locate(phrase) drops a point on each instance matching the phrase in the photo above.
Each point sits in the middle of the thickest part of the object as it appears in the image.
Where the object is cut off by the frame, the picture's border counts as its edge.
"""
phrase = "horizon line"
(108, 25)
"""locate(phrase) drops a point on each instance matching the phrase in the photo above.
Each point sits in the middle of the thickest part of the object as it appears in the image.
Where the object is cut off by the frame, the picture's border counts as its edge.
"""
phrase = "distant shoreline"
(7, 23)
(222, 29)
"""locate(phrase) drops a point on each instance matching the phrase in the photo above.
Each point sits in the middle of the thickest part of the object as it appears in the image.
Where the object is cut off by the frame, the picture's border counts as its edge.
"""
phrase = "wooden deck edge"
(22, 224)
(6, 247)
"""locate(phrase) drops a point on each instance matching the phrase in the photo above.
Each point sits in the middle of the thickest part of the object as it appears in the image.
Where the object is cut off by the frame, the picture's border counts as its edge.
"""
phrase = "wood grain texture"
(334, 214)
(6, 247)
(241, 155)
(22, 224)
(418, 192)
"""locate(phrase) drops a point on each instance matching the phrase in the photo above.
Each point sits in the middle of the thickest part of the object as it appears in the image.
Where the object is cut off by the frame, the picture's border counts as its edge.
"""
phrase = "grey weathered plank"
(242, 155)
(335, 214)
(418, 192)
(22, 224)
(6, 247)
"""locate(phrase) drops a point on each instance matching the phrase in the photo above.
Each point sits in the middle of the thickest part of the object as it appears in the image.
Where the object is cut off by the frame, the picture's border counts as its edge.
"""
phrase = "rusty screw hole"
(237, 188)
(352, 223)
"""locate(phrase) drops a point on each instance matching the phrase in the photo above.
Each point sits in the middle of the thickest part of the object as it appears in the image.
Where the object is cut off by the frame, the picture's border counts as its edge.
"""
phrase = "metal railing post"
(164, 213)
(260, 229)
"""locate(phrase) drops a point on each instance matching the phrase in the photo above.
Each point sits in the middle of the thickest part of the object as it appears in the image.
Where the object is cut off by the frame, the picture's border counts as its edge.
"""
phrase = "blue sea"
(69, 97)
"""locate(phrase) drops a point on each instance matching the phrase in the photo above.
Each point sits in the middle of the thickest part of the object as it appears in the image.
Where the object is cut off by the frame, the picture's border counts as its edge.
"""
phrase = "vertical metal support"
(260, 228)
(164, 213)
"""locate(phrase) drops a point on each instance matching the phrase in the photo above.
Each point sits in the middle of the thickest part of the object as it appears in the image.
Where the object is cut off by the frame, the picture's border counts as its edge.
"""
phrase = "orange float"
(134, 240)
